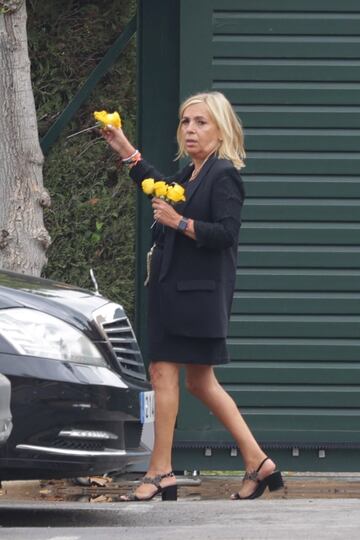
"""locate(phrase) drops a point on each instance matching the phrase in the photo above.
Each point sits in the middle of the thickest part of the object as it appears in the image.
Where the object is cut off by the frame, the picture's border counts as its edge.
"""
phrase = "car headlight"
(35, 333)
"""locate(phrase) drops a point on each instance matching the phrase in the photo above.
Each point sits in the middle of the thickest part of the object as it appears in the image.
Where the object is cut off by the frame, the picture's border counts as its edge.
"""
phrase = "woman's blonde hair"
(231, 143)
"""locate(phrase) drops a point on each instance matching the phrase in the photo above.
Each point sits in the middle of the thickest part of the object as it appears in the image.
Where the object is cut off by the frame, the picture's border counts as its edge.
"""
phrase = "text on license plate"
(147, 407)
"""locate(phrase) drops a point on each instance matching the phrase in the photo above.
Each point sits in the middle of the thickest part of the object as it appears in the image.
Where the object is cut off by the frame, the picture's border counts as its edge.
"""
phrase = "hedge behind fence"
(92, 218)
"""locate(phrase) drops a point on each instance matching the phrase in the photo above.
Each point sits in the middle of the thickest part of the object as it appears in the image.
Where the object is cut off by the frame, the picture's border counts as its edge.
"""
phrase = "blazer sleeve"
(227, 199)
(143, 170)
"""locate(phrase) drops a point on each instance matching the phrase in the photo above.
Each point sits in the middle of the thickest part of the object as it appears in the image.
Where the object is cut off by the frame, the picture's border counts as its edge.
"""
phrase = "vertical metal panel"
(158, 101)
(292, 72)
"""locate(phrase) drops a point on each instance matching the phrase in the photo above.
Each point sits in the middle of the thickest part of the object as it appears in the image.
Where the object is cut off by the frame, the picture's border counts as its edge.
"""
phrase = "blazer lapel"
(205, 169)
(170, 233)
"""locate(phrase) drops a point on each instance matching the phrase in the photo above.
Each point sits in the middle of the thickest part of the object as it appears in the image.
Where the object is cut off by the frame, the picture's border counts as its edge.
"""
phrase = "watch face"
(183, 224)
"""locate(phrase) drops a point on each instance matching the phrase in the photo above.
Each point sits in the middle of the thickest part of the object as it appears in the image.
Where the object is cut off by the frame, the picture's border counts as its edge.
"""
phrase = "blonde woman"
(191, 286)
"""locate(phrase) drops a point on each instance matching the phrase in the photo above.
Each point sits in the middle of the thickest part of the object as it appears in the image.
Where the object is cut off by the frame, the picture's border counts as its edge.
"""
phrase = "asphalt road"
(190, 520)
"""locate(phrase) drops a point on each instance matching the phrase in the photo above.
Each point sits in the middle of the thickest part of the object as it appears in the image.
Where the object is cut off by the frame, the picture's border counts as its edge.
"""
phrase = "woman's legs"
(202, 383)
(165, 382)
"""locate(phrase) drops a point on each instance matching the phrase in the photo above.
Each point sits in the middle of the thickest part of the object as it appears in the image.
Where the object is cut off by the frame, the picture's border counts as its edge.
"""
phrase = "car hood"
(66, 302)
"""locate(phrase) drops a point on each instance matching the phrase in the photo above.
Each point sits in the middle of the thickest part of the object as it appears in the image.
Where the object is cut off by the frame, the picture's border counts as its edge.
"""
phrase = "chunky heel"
(169, 493)
(275, 481)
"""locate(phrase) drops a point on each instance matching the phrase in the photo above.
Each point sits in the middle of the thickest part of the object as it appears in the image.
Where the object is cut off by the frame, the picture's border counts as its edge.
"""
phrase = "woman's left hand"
(164, 213)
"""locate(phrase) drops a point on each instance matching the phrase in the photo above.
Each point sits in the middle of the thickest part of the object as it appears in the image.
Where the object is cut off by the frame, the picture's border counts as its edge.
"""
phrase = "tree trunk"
(23, 237)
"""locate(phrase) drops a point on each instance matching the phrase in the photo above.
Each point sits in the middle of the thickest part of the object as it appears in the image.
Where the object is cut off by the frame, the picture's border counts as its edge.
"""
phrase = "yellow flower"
(100, 116)
(108, 119)
(160, 188)
(148, 186)
(175, 193)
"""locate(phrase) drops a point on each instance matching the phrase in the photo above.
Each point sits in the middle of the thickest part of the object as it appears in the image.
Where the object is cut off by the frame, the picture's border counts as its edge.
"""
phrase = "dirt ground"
(297, 486)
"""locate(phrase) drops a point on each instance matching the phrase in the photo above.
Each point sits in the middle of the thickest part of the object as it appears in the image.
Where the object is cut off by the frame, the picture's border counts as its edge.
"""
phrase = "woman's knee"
(164, 375)
(193, 386)
(199, 382)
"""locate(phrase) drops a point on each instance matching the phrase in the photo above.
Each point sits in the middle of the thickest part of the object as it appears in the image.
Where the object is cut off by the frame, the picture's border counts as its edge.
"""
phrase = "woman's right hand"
(118, 141)
(114, 137)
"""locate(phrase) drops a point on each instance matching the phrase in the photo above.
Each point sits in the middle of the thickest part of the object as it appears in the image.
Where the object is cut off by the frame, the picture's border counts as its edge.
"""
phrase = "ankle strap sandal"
(273, 481)
(168, 493)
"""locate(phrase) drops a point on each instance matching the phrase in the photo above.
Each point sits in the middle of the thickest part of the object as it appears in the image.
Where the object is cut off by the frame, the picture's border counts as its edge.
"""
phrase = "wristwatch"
(183, 224)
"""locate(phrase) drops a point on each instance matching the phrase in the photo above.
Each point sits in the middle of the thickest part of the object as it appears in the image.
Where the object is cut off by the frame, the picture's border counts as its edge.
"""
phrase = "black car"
(79, 392)
(5, 414)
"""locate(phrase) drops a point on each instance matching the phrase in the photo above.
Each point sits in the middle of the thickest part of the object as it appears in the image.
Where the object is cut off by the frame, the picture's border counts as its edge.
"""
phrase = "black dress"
(192, 282)
(166, 347)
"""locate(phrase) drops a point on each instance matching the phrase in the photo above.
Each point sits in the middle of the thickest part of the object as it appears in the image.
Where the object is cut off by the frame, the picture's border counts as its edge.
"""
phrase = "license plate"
(147, 407)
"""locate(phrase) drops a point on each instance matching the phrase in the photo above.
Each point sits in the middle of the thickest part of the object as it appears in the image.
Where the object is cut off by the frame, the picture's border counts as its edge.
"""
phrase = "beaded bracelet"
(135, 160)
(130, 158)
(129, 161)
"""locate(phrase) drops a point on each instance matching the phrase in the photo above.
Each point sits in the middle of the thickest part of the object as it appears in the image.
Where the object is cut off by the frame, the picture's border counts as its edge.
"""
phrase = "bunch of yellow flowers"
(171, 193)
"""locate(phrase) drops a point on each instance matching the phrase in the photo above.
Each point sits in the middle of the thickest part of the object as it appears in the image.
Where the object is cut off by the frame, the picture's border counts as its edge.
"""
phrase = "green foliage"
(92, 218)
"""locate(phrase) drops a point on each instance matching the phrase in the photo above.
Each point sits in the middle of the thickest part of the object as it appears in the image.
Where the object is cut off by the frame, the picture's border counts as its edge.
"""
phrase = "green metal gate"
(291, 68)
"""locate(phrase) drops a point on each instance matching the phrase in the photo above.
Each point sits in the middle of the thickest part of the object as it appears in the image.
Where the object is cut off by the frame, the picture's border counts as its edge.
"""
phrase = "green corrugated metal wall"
(291, 68)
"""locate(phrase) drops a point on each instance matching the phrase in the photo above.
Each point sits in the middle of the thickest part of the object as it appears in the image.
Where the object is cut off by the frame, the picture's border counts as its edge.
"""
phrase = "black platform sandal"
(168, 493)
(273, 481)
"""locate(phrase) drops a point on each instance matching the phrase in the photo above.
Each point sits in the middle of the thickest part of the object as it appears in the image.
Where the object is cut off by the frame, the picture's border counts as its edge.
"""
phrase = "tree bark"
(23, 237)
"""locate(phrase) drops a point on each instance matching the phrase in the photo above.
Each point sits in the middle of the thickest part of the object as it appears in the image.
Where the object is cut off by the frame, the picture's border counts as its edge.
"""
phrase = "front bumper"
(70, 420)
(5, 413)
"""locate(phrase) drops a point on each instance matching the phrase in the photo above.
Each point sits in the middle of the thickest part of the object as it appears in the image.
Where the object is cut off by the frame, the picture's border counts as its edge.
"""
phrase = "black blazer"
(197, 278)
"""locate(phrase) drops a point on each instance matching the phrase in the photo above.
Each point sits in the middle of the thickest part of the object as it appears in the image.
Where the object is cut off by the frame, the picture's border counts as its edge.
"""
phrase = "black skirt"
(165, 347)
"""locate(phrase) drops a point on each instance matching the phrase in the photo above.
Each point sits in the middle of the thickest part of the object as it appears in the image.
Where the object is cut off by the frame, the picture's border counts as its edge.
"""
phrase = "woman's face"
(199, 132)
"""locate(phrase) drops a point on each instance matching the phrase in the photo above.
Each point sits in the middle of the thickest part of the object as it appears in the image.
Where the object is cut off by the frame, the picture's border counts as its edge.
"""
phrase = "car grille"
(77, 445)
(125, 347)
